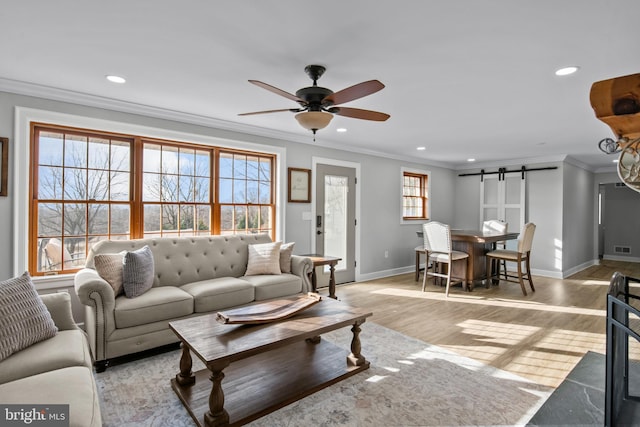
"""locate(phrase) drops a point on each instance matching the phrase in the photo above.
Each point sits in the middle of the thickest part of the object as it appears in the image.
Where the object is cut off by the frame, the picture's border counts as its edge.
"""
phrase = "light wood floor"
(540, 336)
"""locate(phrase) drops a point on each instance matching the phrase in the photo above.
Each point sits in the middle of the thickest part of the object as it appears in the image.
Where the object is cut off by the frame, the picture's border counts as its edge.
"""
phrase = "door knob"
(318, 232)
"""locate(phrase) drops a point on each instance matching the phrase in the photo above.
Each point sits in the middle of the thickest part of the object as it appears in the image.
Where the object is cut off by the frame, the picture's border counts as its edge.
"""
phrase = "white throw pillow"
(110, 267)
(264, 258)
(24, 319)
(286, 250)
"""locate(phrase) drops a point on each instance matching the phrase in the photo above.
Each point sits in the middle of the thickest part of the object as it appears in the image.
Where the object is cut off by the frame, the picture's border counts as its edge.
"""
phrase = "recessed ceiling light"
(567, 70)
(341, 130)
(116, 79)
(471, 160)
(421, 148)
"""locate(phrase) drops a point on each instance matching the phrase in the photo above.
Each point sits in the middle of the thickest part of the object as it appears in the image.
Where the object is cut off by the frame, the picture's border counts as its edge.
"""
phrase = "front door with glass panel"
(335, 220)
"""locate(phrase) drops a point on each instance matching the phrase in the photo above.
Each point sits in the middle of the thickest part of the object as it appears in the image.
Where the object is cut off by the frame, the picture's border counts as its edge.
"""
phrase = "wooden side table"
(319, 260)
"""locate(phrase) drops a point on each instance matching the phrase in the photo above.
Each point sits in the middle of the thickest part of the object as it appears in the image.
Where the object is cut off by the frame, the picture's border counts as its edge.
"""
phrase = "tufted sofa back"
(182, 260)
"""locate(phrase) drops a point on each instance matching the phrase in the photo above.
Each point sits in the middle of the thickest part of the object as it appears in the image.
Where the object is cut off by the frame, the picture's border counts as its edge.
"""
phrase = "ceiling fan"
(319, 104)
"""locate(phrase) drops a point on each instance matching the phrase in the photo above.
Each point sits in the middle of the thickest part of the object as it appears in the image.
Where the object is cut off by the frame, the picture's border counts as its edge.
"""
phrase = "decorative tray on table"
(269, 311)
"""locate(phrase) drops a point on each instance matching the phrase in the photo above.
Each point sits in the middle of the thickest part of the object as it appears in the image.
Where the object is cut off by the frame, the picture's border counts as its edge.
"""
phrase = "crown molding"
(88, 100)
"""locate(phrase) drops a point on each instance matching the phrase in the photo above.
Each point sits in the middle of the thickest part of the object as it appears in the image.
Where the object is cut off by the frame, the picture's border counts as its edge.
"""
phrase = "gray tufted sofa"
(193, 276)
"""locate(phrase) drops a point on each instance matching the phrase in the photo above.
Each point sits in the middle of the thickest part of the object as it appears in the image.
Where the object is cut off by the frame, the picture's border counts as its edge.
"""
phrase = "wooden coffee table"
(266, 366)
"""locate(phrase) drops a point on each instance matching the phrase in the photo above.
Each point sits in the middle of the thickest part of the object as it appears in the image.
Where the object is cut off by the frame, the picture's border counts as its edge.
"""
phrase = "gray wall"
(620, 221)
(578, 217)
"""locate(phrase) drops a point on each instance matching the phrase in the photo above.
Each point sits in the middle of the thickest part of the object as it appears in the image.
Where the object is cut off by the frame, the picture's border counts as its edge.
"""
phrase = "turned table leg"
(332, 281)
(356, 358)
(216, 415)
(185, 377)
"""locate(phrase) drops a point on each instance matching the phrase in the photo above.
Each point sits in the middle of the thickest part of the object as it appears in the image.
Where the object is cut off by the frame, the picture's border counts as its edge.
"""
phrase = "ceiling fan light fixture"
(314, 120)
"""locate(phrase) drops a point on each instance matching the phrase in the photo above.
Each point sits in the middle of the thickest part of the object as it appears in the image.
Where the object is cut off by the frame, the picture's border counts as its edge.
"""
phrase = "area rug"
(409, 383)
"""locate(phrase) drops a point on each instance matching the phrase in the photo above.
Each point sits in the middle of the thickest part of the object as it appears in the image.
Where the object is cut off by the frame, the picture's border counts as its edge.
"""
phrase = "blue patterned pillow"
(24, 319)
(137, 272)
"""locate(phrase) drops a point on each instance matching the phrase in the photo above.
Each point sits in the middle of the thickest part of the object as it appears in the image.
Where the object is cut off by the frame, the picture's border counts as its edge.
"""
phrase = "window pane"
(226, 190)
(170, 160)
(187, 218)
(151, 184)
(240, 218)
(253, 168)
(152, 219)
(75, 219)
(187, 161)
(203, 163)
(120, 186)
(239, 192)
(49, 183)
(170, 217)
(120, 156)
(202, 190)
(187, 188)
(265, 217)
(98, 185)
(49, 219)
(169, 191)
(203, 218)
(75, 184)
(226, 218)
(74, 252)
(265, 169)
(98, 153)
(98, 218)
(265, 193)
(226, 165)
(75, 151)
(151, 158)
(50, 148)
(253, 218)
(239, 167)
(120, 217)
(252, 192)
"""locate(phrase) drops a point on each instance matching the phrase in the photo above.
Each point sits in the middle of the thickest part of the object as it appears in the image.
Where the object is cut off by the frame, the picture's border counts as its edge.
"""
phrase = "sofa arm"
(59, 306)
(302, 266)
(98, 297)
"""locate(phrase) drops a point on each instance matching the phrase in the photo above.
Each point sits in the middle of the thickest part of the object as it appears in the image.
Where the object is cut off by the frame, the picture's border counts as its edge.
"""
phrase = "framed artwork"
(299, 185)
(4, 165)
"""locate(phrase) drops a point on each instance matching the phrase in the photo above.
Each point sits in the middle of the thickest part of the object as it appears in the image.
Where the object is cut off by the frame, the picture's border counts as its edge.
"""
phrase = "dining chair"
(497, 226)
(438, 247)
(522, 254)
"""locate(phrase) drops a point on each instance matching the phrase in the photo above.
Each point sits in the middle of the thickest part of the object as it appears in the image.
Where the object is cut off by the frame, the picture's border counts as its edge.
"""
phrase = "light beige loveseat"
(57, 370)
(192, 276)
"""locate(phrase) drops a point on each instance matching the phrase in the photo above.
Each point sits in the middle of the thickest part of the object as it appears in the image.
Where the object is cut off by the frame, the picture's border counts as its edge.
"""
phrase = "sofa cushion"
(137, 272)
(159, 303)
(216, 294)
(110, 267)
(264, 258)
(67, 348)
(24, 319)
(267, 287)
(73, 386)
(286, 250)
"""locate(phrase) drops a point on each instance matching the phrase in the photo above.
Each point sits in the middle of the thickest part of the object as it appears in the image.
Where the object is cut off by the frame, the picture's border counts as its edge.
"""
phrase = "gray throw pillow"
(137, 272)
(24, 319)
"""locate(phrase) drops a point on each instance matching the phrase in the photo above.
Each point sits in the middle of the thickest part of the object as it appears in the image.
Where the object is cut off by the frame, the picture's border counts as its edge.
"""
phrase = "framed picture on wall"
(299, 185)
(4, 165)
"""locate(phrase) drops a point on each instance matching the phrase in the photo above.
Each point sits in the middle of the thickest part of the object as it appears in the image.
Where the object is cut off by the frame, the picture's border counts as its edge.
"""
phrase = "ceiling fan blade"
(357, 113)
(293, 110)
(277, 91)
(355, 92)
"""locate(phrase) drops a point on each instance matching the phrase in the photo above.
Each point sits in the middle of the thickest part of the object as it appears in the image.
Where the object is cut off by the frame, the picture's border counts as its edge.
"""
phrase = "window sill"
(56, 281)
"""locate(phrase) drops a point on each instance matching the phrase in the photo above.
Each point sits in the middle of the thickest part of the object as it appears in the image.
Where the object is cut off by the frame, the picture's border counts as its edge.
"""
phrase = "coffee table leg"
(355, 358)
(185, 377)
(217, 415)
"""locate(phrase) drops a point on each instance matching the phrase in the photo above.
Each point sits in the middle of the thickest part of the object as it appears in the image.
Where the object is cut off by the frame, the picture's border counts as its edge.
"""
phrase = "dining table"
(476, 243)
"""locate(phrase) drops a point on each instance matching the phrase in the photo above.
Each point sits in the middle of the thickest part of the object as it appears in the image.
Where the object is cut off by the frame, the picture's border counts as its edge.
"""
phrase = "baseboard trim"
(621, 258)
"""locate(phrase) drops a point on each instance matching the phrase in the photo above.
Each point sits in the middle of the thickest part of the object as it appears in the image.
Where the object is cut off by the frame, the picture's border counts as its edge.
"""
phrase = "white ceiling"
(464, 78)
